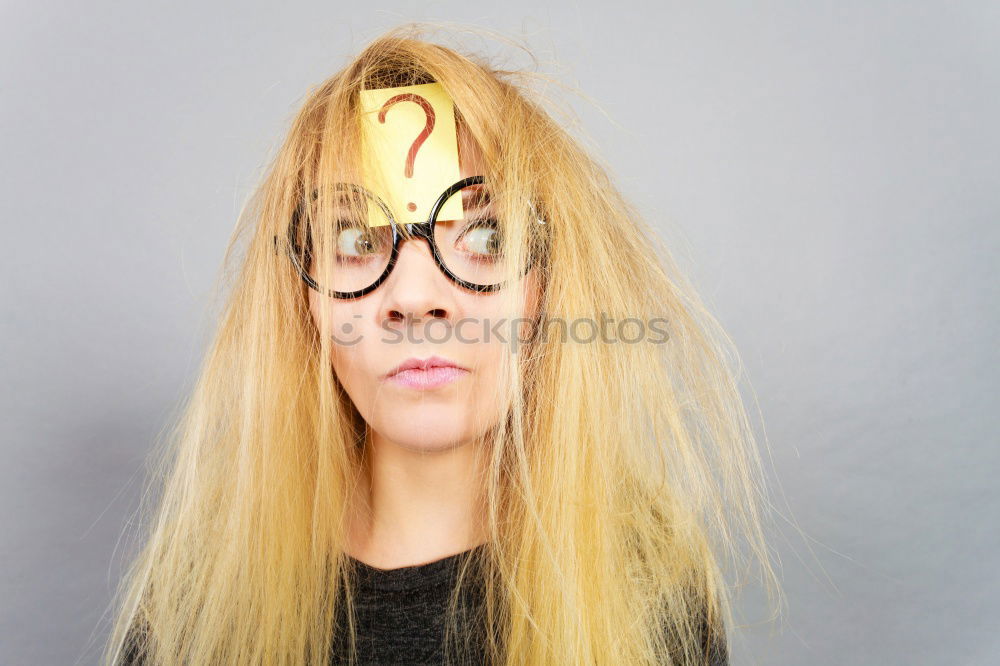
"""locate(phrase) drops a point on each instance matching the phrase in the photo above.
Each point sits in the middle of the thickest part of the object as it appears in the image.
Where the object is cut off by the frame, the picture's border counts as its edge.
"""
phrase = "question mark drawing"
(419, 141)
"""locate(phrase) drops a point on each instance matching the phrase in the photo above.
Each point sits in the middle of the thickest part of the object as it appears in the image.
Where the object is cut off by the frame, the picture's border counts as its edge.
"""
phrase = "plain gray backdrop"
(827, 173)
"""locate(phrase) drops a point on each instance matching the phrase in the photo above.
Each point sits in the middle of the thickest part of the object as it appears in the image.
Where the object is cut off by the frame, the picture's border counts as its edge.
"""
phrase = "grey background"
(827, 171)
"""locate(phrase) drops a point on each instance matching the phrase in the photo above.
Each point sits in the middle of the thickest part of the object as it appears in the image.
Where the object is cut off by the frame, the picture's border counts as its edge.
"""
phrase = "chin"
(428, 431)
(430, 443)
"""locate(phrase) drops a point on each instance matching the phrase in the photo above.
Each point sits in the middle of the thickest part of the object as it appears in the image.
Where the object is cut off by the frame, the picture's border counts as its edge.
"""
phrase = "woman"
(461, 406)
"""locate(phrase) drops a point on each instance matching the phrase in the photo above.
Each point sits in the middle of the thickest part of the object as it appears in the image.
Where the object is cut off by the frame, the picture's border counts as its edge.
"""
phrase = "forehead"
(470, 157)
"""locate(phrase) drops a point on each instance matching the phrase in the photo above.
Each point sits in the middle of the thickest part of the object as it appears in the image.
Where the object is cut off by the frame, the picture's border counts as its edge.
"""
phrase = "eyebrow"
(349, 202)
(475, 196)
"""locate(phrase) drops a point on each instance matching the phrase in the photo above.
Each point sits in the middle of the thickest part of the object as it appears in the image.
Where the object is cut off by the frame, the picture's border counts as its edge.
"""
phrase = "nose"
(416, 288)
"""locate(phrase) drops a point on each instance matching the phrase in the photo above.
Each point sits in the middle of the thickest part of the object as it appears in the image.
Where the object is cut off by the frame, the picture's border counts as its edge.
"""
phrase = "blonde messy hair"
(615, 470)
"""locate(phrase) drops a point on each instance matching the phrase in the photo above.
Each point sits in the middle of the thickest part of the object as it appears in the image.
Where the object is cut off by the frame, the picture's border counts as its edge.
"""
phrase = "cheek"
(342, 318)
(341, 327)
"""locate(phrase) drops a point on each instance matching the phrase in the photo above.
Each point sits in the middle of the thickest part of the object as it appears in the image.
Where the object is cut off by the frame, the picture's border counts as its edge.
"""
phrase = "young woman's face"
(413, 315)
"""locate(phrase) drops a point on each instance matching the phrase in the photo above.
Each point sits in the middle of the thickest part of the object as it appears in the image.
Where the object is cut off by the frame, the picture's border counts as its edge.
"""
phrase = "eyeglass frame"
(423, 230)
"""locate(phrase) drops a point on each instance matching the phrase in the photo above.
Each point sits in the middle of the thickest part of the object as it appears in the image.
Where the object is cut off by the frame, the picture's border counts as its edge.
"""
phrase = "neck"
(417, 506)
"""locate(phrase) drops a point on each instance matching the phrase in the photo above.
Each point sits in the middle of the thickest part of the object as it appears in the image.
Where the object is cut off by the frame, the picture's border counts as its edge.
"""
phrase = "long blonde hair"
(618, 472)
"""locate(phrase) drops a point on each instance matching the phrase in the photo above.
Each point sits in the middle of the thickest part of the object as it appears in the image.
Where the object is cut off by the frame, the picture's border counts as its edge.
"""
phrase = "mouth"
(426, 373)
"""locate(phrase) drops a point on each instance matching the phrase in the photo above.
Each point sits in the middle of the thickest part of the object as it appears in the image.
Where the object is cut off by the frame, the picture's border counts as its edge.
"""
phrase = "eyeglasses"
(471, 252)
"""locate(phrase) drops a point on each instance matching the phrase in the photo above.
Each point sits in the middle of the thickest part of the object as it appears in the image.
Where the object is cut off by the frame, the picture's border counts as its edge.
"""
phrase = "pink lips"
(425, 373)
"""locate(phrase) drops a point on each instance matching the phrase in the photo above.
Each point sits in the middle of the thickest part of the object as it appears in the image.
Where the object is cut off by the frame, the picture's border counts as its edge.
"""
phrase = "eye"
(482, 238)
(354, 241)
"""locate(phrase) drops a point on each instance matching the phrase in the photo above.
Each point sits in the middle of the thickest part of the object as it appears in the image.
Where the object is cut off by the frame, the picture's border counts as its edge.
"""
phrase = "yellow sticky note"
(410, 151)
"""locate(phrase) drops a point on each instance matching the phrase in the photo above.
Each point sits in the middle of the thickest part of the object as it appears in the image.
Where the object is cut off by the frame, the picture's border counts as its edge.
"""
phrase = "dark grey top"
(401, 612)
(400, 616)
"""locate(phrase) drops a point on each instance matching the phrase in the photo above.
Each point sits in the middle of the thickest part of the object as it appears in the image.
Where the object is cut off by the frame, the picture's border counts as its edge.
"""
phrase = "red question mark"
(419, 141)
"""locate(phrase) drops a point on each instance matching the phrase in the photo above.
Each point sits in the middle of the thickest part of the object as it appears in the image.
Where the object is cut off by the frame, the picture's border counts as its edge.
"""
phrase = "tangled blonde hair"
(617, 474)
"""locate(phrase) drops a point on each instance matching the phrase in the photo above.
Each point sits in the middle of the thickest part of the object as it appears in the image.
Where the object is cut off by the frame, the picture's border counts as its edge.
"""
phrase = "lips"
(425, 373)
(423, 364)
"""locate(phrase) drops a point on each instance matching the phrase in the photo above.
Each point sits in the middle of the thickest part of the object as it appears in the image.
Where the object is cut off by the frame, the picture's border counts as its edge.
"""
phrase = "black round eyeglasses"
(470, 251)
